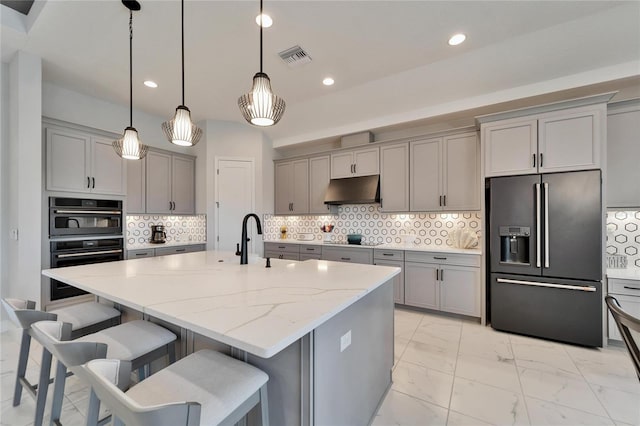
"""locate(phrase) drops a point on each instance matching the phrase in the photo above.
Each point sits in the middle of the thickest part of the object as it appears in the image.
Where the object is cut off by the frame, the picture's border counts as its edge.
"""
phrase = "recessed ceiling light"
(151, 84)
(457, 39)
(266, 20)
(328, 81)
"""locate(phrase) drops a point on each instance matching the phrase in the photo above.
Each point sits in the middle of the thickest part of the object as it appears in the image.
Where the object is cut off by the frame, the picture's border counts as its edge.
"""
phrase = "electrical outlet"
(14, 234)
(345, 341)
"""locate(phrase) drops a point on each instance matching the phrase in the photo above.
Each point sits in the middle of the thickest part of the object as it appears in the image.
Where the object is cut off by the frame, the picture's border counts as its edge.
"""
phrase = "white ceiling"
(390, 59)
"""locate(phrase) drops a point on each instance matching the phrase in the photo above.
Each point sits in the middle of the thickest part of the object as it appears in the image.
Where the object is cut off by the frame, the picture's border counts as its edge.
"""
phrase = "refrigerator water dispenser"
(514, 244)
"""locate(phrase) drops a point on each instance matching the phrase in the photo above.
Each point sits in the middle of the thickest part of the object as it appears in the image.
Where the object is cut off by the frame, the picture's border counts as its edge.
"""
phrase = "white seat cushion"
(85, 314)
(131, 340)
(218, 382)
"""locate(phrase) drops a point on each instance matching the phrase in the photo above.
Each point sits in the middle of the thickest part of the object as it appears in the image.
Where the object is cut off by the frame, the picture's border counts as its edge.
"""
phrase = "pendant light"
(260, 106)
(129, 145)
(181, 130)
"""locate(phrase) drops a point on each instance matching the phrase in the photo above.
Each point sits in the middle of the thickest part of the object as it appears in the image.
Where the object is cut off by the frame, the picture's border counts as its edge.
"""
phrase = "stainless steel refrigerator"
(545, 255)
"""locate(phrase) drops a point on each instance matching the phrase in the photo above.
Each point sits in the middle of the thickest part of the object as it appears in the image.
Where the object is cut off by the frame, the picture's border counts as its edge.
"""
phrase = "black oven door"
(73, 253)
(84, 222)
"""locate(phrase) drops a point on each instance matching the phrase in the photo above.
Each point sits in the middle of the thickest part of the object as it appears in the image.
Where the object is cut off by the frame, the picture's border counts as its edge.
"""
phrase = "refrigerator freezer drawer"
(564, 310)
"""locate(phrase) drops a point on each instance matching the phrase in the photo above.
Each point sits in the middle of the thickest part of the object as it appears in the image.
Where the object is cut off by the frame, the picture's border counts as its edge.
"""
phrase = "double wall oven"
(83, 231)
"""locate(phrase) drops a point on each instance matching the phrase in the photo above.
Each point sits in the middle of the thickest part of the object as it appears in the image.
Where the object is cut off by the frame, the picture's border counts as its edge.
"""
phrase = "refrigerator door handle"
(546, 224)
(538, 264)
(550, 285)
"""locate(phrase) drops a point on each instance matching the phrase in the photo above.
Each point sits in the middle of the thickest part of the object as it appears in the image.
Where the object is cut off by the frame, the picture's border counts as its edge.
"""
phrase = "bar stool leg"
(58, 393)
(264, 405)
(25, 344)
(43, 384)
(94, 409)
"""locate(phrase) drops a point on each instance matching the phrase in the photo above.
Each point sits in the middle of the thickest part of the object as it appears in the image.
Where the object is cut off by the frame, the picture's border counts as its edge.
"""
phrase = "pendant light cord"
(261, 25)
(130, 68)
(182, 52)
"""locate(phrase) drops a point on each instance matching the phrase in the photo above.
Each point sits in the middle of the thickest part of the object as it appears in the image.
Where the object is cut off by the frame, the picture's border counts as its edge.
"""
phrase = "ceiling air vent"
(295, 56)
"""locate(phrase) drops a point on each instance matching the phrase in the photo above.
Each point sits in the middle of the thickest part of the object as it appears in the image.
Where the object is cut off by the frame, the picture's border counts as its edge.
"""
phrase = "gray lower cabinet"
(449, 283)
(395, 258)
(163, 251)
(347, 254)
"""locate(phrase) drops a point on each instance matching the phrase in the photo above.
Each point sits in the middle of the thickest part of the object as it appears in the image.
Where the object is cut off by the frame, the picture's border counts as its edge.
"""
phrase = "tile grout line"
(589, 385)
(455, 368)
(524, 397)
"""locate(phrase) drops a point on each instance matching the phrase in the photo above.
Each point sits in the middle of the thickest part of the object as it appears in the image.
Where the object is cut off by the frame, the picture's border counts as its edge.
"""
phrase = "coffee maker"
(158, 236)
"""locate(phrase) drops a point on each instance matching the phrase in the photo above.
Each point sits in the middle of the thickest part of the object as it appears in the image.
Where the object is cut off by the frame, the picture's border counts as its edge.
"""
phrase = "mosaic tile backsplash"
(178, 228)
(623, 235)
(375, 226)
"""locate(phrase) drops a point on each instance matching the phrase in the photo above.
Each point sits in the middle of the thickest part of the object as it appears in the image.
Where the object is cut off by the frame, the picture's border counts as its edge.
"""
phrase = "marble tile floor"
(447, 372)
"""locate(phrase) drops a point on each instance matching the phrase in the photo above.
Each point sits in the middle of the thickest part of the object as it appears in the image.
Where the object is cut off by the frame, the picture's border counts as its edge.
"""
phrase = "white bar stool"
(84, 318)
(138, 342)
(205, 387)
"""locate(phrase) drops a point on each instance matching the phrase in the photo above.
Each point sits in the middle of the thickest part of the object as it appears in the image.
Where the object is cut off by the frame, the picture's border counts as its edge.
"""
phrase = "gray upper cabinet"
(136, 183)
(319, 176)
(426, 175)
(158, 191)
(461, 172)
(557, 141)
(394, 178)
(445, 173)
(358, 162)
(623, 152)
(81, 161)
(292, 187)
(170, 183)
(570, 140)
(108, 168)
(511, 147)
(183, 187)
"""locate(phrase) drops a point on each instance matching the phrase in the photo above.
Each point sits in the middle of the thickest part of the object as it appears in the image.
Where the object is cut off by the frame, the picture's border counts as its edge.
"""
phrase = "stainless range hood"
(355, 190)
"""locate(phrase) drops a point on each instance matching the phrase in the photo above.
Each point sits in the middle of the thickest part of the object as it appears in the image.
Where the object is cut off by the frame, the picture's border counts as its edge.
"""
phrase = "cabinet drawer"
(310, 249)
(443, 258)
(281, 255)
(383, 254)
(137, 254)
(281, 247)
(339, 254)
(196, 247)
(163, 251)
(628, 287)
(307, 256)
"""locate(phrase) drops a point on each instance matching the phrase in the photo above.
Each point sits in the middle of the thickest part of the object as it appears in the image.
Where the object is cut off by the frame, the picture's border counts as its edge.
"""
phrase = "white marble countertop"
(624, 274)
(144, 246)
(406, 247)
(256, 309)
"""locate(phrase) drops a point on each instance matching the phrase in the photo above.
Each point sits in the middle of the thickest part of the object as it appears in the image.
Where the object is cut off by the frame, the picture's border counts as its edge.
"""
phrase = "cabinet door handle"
(632, 288)
(541, 158)
(281, 247)
(345, 258)
(355, 168)
(387, 254)
(93, 180)
(88, 182)
(441, 274)
(440, 201)
(174, 205)
(310, 249)
(179, 250)
(444, 200)
(142, 254)
(437, 275)
(169, 205)
(439, 258)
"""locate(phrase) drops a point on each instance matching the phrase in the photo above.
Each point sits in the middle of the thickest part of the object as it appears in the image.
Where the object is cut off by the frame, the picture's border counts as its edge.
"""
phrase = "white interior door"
(235, 198)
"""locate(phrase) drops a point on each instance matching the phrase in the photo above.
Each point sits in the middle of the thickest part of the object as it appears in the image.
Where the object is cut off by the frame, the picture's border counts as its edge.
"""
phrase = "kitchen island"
(323, 331)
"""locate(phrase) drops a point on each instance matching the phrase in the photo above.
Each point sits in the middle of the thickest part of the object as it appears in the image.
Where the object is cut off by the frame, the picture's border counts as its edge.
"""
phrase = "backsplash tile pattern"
(375, 226)
(178, 228)
(623, 235)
